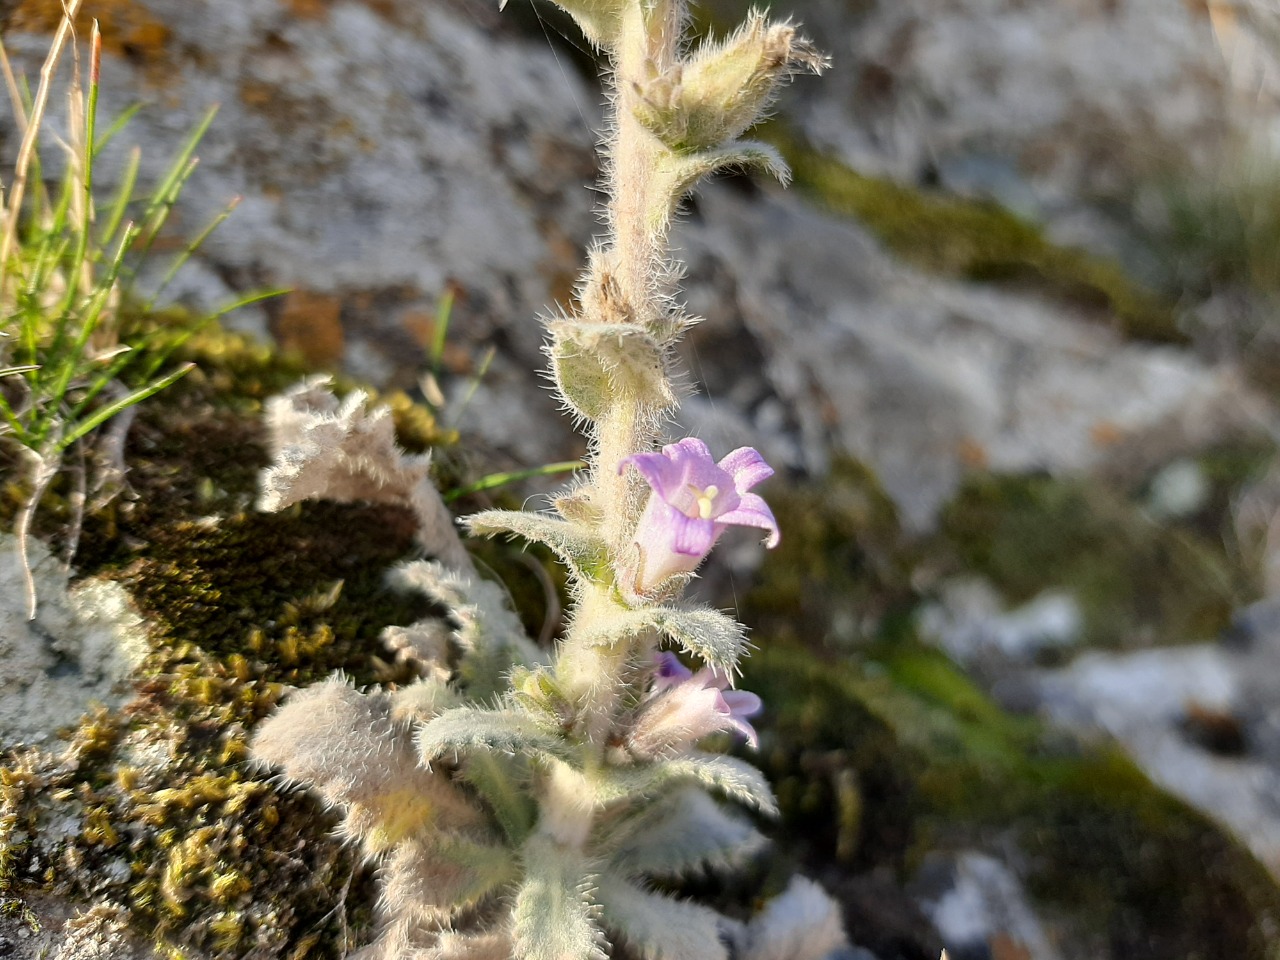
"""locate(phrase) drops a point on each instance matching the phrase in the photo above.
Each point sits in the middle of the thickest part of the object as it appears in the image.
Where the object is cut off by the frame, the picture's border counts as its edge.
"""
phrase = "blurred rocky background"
(1012, 339)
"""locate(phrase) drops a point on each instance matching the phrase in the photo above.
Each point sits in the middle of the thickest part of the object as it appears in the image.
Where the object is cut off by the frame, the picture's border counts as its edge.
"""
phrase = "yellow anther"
(705, 499)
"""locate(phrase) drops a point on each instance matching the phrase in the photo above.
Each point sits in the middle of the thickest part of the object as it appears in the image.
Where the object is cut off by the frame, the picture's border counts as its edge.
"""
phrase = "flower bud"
(599, 20)
(687, 706)
(725, 87)
(597, 364)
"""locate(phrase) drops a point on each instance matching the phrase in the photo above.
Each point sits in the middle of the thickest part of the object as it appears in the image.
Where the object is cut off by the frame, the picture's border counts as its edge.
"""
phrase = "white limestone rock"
(80, 650)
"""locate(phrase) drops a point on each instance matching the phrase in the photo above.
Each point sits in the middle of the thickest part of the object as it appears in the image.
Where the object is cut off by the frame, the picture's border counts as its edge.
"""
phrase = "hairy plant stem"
(566, 811)
(592, 674)
(637, 255)
(619, 433)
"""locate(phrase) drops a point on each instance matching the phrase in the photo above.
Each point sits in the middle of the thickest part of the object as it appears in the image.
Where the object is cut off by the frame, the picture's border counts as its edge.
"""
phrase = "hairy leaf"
(599, 20)
(802, 923)
(490, 637)
(464, 730)
(553, 914)
(596, 364)
(657, 926)
(727, 776)
(498, 779)
(435, 876)
(709, 634)
(471, 946)
(679, 173)
(582, 551)
(686, 832)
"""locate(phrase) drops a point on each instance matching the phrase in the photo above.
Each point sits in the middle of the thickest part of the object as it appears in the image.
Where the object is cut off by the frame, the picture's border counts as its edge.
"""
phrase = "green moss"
(937, 765)
(1137, 579)
(973, 240)
(842, 572)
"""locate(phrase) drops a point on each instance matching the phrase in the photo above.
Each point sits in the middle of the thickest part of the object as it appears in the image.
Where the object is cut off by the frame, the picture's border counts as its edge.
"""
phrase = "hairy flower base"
(693, 500)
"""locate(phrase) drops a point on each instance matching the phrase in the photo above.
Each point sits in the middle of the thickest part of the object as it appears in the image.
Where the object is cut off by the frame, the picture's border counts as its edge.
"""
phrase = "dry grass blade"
(18, 188)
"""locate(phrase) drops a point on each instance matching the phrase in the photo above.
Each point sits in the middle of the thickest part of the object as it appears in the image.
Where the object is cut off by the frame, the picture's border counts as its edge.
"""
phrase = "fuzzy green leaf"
(709, 634)
(491, 637)
(727, 776)
(465, 730)
(724, 87)
(678, 173)
(685, 833)
(553, 913)
(599, 20)
(581, 550)
(657, 926)
(440, 874)
(500, 781)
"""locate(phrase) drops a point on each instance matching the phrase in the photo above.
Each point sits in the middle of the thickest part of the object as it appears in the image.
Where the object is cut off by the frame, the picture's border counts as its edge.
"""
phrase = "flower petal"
(691, 536)
(735, 706)
(752, 511)
(742, 703)
(747, 730)
(697, 468)
(669, 671)
(747, 468)
(690, 448)
(662, 475)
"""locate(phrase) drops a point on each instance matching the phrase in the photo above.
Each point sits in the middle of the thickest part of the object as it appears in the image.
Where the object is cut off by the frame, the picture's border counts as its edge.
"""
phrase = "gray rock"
(381, 152)
(969, 622)
(1067, 112)
(981, 908)
(922, 377)
(80, 649)
(48, 927)
(1145, 700)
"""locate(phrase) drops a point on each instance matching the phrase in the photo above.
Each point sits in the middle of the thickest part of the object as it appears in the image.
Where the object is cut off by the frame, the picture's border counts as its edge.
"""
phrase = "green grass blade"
(443, 312)
(90, 320)
(162, 354)
(156, 215)
(76, 266)
(249, 299)
(166, 193)
(118, 124)
(16, 425)
(474, 385)
(190, 249)
(102, 379)
(502, 479)
(110, 410)
(183, 160)
(124, 194)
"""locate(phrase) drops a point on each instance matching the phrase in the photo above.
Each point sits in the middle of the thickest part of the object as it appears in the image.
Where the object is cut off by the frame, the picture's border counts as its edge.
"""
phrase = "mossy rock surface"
(161, 811)
(883, 752)
(880, 763)
(1139, 579)
(975, 240)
